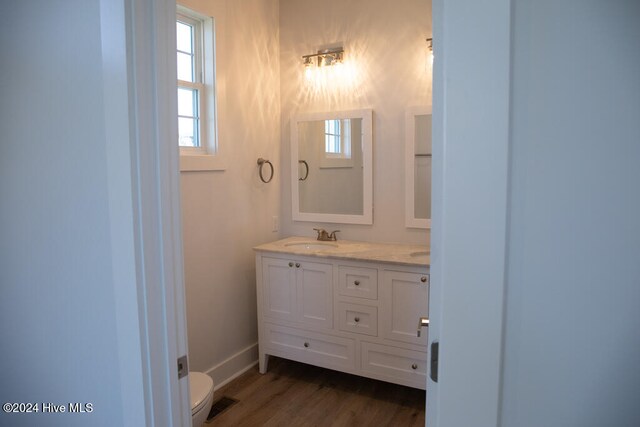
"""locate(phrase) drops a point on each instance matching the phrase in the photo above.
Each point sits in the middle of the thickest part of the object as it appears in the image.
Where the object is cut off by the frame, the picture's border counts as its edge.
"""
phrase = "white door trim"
(120, 172)
(140, 72)
(472, 42)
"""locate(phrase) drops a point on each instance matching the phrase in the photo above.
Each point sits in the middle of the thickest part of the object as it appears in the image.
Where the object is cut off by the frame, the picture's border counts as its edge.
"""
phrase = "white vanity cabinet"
(298, 290)
(407, 295)
(352, 312)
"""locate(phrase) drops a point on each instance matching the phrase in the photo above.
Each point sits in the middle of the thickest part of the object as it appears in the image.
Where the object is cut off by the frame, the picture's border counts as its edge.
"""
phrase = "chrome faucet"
(323, 235)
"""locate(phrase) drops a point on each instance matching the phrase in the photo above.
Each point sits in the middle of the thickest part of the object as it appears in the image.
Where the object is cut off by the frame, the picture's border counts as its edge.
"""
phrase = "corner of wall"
(234, 366)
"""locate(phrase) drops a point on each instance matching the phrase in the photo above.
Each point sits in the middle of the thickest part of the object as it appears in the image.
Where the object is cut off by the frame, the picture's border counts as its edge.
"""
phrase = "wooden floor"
(295, 394)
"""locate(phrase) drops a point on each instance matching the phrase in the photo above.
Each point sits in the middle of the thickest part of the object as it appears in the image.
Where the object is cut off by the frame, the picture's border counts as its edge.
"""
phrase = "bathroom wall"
(389, 70)
(226, 213)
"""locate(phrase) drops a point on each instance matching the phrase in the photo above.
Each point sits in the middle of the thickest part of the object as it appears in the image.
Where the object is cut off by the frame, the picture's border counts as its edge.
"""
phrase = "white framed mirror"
(418, 167)
(332, 167)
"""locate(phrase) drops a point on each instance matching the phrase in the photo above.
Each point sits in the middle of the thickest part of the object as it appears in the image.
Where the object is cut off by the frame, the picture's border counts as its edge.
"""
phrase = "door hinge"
(435, 347)
(183, 366)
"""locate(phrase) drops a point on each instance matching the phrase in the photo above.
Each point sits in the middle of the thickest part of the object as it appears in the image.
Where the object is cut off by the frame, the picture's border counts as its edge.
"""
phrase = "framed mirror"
(331, 167)
(418, 167)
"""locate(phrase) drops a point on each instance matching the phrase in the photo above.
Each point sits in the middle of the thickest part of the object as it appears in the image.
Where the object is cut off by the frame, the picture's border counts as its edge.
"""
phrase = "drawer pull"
(297, 265)
(306, 345)
(356, 319)
(423, 279)
(357, 282)
(414, 366)
(290, 264)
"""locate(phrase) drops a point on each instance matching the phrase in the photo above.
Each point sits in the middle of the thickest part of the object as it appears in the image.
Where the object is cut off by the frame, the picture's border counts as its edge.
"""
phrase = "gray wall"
(572, 341)
(58, 319)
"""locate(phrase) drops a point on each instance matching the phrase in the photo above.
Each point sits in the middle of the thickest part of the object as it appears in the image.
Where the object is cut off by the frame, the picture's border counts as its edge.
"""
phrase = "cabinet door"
(405, 300)
(279, 289)
(314, 289)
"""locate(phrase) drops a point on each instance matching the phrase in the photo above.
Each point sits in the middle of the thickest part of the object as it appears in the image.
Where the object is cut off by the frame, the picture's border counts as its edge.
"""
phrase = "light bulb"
(308, 72)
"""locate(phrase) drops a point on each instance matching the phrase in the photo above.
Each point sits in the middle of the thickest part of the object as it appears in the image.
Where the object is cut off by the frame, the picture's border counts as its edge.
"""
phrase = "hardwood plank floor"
(296, 394)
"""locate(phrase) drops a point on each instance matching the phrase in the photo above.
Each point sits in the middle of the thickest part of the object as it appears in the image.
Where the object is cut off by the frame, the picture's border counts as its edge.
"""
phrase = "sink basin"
(420, 253)
(312, 246)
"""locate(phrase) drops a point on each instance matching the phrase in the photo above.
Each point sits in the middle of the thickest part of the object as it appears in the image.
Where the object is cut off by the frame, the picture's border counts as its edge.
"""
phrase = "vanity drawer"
(361, 319)
(395, 363)
(361, 282)
(310, 347)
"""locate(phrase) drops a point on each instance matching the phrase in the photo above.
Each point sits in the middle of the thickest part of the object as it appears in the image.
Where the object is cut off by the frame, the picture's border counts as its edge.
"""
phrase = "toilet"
(201, 389)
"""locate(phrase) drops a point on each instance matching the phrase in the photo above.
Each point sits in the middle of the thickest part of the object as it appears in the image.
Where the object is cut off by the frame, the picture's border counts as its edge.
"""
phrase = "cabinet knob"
(414, 366)
(290, 264)
(306, 344)
(423, 279)
(356, 319)
(297, 265)
(357, 282)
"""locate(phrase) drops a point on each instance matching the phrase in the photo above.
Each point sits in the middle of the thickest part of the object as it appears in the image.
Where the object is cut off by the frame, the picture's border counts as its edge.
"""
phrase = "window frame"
(197, 84)
(333, 137)
(210, 83)
(342, 138)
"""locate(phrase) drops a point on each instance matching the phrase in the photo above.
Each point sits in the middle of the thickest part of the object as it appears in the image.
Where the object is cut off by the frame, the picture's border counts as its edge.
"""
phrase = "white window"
(196, 86)
(190, 82)
(337, 138)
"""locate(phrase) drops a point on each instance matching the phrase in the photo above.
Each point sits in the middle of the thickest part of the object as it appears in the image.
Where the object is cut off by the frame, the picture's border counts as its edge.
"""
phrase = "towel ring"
(306, 165)
(261, 163)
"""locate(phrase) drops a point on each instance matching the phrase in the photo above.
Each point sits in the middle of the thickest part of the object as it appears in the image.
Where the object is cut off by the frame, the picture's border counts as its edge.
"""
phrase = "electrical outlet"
(274, 223)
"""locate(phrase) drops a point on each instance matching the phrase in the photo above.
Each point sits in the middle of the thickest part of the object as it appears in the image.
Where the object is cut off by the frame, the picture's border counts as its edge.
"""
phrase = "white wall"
(226, 213)
(385, 43)
(61, 214)
(572, 341)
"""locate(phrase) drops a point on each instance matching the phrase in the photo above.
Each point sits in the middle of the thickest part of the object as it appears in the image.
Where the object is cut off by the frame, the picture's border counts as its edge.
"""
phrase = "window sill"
(335, 163)
(200, 163)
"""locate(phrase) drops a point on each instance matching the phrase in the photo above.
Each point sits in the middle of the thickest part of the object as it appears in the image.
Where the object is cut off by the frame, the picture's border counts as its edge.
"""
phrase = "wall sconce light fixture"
(324, 58)
(329, 71)
(430, 46)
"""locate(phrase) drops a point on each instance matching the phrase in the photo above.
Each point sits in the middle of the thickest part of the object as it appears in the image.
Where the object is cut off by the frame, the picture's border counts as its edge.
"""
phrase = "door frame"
(139, 74)
(471, 128)
(470, 174)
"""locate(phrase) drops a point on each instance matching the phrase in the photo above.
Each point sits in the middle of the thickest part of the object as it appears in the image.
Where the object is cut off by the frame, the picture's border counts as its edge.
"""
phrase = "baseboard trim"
(236, 365)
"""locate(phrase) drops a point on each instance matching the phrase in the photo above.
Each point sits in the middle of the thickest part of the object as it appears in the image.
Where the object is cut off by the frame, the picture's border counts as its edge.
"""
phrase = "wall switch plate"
(274, 223)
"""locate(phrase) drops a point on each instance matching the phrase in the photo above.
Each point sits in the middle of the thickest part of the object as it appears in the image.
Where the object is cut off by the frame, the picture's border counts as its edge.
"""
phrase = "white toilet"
(201, 388)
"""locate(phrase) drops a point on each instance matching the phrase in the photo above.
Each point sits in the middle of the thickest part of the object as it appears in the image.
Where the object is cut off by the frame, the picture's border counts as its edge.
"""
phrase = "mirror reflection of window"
(332, 150)
(337, 137)
(418, 167)
(422, 167)
(332, 136)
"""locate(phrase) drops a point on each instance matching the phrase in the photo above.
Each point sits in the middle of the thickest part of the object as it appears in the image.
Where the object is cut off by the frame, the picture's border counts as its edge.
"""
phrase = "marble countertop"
(413, 255)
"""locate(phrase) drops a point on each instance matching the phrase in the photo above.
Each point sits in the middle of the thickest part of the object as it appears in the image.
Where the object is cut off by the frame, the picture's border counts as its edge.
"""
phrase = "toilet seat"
(201, 388)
